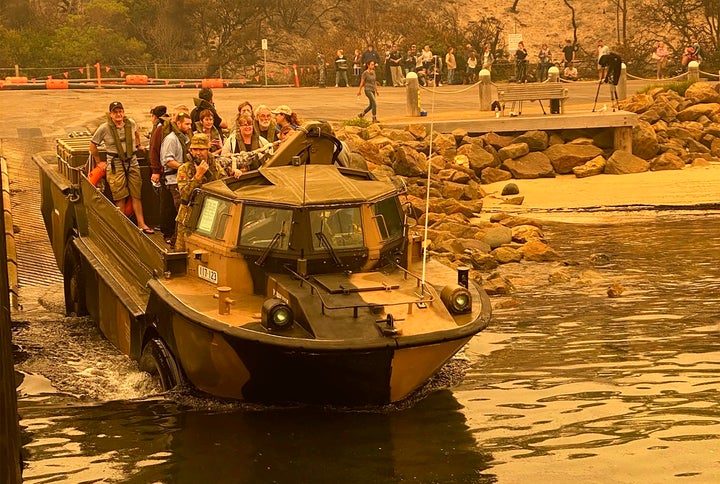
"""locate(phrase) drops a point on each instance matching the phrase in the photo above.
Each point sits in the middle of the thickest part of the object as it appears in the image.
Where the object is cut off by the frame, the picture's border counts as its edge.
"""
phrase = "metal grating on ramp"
(36, 262)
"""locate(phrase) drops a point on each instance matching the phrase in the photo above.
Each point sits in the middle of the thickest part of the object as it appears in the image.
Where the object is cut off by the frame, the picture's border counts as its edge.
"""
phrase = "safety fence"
(155, 75)
(279, 75)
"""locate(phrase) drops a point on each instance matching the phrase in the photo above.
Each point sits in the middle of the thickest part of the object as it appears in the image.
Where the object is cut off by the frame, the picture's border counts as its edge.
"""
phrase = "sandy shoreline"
(557, 197)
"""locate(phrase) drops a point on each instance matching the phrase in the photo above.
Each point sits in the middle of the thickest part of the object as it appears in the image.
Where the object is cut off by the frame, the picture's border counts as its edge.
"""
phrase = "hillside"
(550, 21)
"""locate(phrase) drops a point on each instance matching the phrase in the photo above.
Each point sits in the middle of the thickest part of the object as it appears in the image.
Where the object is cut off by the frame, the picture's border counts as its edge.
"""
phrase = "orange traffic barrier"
(57, 84)
(212, 83)
(136, 79)
(16, 80)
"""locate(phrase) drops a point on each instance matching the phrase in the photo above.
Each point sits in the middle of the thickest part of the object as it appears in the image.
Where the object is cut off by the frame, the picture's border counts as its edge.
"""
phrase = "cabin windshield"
(341, 226)
(260, 225)
(388, 217)
(213, 217)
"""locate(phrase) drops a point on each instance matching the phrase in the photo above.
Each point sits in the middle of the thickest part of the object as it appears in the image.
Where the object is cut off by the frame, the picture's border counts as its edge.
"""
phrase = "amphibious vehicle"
(301, 280)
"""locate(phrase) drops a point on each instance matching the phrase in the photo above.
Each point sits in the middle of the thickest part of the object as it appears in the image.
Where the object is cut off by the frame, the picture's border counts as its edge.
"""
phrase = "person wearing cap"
(285, 117)
(199, 169)
(120, 136)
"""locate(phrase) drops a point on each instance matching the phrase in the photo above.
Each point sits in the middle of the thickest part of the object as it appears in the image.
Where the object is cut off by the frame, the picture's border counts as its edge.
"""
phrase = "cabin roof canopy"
(308, 185)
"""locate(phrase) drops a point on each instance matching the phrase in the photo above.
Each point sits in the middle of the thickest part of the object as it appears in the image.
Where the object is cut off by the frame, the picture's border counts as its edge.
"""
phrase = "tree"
(573, 20)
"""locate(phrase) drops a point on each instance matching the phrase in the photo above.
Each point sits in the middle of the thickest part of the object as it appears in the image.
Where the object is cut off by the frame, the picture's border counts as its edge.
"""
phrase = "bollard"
(693, 71)
(621, 88)
(485, 90)
(555, 104)
(412, 90)
(224, 302)
(554, 74)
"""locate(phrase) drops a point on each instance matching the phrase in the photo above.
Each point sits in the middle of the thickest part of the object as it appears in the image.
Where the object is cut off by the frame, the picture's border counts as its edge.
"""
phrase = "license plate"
(207, 274)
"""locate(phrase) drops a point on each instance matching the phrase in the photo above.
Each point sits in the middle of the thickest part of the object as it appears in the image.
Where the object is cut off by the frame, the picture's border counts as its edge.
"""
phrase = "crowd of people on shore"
(392, 67)
(187, 147)
(433, 69)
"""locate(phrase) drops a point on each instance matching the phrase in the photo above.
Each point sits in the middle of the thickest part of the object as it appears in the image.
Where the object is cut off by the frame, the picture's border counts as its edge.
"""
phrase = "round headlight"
(276, 314)
(456, 298)
(282, 316)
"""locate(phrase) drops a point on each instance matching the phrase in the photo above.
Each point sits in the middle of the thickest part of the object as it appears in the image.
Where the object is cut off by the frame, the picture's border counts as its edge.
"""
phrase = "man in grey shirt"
(172, 155)
(121, 139)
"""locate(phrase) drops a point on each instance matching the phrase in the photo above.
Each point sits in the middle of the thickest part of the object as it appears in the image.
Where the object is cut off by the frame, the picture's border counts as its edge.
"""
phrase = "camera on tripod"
(613, 63)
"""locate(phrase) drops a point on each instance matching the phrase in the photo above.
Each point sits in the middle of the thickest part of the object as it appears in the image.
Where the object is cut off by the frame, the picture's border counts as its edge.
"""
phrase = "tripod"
(613, 64)
(613, 95)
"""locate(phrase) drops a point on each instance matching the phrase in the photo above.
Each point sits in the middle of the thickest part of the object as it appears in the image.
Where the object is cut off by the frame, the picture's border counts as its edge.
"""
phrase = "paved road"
(56, 113)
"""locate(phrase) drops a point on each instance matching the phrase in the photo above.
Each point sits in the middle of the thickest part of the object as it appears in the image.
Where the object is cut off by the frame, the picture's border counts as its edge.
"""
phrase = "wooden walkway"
(476, 123)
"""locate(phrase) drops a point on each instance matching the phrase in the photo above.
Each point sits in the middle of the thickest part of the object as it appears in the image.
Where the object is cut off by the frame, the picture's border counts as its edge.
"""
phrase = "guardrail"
(12, 264)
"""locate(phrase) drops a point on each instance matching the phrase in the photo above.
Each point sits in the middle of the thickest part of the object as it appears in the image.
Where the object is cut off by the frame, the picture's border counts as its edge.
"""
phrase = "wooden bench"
(517, 93)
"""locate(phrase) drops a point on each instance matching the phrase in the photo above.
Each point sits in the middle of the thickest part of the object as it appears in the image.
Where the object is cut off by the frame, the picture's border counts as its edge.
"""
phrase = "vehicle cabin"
(310, 218)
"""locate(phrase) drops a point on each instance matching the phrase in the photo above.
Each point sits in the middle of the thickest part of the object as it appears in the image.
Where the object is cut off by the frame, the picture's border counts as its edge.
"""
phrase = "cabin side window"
(261, 225)
(342, 227)
(213, 217)
(389, 218)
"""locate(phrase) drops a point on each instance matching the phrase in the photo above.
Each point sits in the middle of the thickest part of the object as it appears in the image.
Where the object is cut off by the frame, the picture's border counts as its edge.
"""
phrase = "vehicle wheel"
(157, 360)
(73, 282)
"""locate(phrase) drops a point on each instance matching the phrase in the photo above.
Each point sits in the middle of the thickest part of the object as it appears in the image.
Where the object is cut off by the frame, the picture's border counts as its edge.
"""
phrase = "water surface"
(566, 384)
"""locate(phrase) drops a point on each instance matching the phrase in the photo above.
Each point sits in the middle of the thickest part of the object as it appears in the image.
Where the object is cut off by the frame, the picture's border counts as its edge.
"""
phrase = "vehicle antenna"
(304, 183)
(427, 184)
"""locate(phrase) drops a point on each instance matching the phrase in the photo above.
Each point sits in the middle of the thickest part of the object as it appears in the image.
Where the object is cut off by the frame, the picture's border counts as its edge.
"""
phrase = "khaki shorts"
(121, 185)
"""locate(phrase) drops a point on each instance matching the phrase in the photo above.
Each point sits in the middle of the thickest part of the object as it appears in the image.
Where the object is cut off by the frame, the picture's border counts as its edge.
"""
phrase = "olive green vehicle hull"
(149, 302)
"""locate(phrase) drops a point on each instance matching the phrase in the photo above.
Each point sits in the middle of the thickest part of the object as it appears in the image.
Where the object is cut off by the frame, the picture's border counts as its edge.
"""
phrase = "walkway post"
(621, 89)
(693, 71)
(485, 90)
(412, 99)
(554, 74)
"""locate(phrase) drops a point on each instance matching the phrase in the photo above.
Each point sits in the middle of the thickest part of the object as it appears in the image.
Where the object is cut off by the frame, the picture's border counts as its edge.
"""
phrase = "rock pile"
(674, 131)
(457, 235)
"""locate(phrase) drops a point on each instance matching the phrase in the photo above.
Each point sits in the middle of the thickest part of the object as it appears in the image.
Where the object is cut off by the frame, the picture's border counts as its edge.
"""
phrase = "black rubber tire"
(158, 361)
(73, 282)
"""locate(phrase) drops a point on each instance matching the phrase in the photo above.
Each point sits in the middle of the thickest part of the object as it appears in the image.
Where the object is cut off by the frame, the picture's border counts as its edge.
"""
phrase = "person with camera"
(199, 169)
(660, 56)
(545, 57)
(521, 62)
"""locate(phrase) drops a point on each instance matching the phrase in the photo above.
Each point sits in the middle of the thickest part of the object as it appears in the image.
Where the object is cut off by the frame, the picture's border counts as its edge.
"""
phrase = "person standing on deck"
(120, 136)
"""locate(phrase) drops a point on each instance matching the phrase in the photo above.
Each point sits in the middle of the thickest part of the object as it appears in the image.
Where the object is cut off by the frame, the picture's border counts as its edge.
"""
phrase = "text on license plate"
(207, 274)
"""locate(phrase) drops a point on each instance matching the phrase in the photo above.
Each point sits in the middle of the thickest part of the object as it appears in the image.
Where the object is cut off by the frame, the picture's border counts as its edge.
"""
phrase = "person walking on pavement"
(368, 83)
